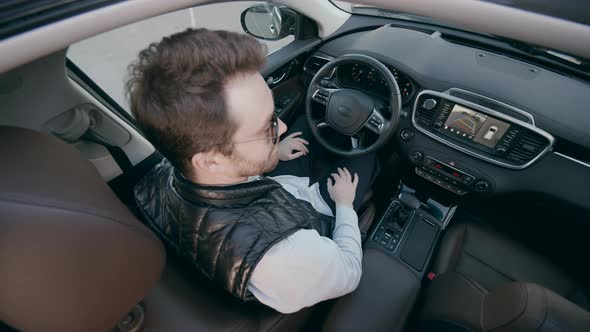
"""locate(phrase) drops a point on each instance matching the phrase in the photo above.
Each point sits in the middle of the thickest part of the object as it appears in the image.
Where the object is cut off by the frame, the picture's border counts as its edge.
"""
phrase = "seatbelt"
(116, 152)
(120, 157)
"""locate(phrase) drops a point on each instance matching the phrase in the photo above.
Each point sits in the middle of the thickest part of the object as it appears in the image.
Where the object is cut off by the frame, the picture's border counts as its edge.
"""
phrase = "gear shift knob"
(409, 201)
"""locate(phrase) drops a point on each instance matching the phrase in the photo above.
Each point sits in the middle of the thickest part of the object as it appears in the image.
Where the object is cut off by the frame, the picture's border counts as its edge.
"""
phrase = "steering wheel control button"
(375, 123)
(429, 104)
(328, 84)
(406, 134)
(321, 96)
(416, 155)
(481, 186)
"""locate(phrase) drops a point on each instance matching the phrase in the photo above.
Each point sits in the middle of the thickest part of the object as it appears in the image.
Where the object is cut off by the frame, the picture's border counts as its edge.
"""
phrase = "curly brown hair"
(176, 92)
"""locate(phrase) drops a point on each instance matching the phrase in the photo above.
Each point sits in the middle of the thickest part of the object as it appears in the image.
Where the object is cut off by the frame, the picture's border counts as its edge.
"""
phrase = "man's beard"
(248, 167)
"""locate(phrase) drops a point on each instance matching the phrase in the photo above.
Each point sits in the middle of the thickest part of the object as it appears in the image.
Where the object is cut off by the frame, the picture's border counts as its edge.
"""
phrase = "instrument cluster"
(364, 77)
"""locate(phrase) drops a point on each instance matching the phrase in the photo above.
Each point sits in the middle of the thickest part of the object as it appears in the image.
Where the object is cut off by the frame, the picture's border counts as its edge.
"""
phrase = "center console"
(395, 259)
(409, 229)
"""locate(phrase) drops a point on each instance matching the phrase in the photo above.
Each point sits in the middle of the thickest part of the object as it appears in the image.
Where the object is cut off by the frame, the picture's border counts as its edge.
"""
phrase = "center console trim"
(485, 110)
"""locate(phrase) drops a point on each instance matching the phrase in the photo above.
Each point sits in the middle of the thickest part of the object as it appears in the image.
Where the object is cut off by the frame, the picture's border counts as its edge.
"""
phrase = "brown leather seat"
(492, 260)
(75, 259)
(72, 256)
(486, 282)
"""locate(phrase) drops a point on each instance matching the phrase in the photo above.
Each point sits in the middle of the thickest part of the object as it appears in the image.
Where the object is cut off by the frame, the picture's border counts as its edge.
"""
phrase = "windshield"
(571, 10)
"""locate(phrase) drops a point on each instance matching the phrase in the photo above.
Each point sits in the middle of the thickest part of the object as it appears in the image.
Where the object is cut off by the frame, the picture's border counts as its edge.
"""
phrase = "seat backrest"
(72, 256)
(457, 303)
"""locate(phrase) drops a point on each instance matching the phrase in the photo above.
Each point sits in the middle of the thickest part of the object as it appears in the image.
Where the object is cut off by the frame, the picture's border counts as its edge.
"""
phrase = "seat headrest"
(72, 255)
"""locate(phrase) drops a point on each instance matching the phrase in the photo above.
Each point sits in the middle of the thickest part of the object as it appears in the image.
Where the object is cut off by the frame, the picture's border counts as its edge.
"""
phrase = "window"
(105, 57)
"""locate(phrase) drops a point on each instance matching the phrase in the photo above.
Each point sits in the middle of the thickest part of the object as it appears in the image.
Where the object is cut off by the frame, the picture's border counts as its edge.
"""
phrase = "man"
(199, 98)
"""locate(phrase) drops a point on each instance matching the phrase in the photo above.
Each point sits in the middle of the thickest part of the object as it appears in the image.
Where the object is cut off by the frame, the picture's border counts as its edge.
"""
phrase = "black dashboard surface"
(558, 103)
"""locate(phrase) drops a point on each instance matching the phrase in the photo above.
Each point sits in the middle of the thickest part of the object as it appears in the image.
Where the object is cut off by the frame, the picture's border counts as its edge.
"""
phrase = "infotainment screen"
(472, 125)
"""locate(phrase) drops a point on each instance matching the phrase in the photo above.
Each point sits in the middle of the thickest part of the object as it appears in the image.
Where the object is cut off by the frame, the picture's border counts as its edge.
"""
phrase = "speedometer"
(357, 72)
(406, 88)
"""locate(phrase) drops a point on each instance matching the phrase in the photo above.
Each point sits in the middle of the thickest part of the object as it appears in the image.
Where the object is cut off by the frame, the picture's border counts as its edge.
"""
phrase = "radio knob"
(481, 185)
(429, 104)
(416, 155)
(406, 134)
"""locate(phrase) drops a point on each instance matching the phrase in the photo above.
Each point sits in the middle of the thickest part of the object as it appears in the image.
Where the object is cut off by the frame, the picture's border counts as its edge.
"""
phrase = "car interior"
(478, 220)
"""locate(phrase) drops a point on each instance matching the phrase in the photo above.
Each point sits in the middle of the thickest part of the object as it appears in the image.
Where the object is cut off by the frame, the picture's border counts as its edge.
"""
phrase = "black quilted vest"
(223, 230)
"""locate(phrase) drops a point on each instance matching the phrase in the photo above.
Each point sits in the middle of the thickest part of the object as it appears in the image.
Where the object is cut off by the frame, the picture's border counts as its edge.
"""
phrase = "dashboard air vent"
(527, 147)
(424, 116)
(314, 64)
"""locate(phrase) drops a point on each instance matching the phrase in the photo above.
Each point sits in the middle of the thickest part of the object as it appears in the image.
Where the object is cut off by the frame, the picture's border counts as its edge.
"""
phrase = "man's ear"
(208, 161)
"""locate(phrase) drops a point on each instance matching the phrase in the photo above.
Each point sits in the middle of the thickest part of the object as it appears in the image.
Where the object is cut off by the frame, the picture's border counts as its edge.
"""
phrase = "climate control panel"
(455, 177)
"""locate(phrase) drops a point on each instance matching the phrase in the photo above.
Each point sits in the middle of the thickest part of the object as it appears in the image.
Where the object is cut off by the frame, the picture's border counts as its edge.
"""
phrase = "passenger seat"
(486, 282)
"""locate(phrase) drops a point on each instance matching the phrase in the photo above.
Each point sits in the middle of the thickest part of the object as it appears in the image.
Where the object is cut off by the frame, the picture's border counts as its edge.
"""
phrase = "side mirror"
(269, 22)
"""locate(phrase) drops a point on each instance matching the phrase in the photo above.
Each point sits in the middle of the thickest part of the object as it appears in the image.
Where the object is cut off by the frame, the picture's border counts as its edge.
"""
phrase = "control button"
(429, 104)
(459, 191)
(501, 150)
(328, 84)
(406, 134)
(481, 185)
(416, 155)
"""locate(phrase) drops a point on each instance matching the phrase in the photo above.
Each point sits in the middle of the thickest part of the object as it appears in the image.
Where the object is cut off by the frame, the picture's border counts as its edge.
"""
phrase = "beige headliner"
(471, 14)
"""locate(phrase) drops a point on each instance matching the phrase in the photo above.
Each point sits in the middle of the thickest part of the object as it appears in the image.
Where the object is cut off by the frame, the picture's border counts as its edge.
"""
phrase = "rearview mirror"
(269, 22)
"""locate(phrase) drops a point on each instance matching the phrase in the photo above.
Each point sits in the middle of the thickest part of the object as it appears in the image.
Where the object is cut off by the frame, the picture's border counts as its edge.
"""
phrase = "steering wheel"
(350, 111)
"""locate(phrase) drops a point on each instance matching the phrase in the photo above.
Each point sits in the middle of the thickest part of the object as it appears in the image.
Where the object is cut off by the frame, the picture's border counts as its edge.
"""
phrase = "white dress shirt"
(306, 268)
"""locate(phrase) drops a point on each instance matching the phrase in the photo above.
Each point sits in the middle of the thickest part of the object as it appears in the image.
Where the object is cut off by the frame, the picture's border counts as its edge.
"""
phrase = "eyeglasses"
(274, 128)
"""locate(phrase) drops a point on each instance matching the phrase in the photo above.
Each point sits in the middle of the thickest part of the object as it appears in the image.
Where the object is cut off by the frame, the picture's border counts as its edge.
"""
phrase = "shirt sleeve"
(306, 268)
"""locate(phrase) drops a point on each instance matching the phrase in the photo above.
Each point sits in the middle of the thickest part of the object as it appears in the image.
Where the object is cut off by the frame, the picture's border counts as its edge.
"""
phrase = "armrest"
(382, 301)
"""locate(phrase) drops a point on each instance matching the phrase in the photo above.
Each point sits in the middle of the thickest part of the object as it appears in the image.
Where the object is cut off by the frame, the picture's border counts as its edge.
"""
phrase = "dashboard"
(476, 121)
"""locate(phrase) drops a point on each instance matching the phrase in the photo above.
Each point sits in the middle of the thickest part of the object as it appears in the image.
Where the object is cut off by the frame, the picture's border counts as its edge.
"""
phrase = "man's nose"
(282, 127)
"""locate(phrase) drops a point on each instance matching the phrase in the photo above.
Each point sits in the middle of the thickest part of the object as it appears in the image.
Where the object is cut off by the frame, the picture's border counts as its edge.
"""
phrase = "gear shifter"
(409, 204)
(409, 201)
